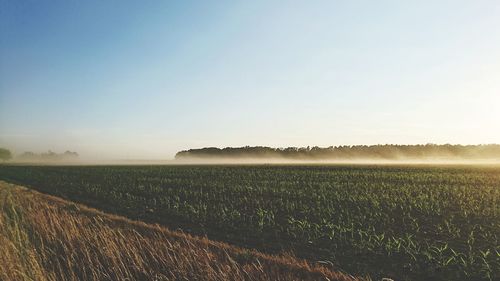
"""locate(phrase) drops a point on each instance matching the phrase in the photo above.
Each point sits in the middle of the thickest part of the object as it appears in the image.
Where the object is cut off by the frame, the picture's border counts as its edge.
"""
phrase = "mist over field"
(358, 154)
(285, 161)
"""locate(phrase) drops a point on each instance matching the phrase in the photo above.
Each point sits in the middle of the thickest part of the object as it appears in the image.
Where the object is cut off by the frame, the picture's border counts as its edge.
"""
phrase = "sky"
(144, 79)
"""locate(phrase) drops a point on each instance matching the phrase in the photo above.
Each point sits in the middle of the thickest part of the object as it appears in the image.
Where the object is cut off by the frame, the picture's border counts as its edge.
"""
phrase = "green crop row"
(404, 222)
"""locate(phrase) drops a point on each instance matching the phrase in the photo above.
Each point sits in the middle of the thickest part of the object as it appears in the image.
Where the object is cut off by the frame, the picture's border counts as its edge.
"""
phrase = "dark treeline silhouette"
(5, 154)
(48, 156)
(382, 152)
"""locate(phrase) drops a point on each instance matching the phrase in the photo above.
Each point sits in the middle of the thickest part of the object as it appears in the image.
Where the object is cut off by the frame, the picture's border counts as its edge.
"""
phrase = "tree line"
(6, 155)
(386, 151)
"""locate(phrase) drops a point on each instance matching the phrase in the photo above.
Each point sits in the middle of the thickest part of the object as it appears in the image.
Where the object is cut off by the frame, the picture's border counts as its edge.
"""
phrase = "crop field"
(402, 222)
(45, 238)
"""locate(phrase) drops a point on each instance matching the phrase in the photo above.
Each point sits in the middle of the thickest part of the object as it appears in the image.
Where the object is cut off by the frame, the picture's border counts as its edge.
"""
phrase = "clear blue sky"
(144, 79)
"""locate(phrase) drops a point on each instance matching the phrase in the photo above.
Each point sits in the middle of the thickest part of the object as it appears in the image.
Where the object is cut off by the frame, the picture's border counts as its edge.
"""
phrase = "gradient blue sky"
(144, 79)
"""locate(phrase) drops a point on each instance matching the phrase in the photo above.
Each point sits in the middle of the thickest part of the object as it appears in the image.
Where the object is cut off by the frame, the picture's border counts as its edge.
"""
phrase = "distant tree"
(28, 154)
(48, 156)
(68, 155)
(5, 154)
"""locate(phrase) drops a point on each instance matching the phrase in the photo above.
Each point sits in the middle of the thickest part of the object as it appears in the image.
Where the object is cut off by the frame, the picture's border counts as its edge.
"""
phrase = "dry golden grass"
(46, 238)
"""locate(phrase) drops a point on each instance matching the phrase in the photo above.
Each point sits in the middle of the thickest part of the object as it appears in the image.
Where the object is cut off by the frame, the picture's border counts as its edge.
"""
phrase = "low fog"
(285, 161)
(431, 154)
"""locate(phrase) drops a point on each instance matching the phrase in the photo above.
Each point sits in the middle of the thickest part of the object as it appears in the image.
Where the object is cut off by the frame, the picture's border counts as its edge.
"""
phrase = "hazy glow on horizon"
(133, 79)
